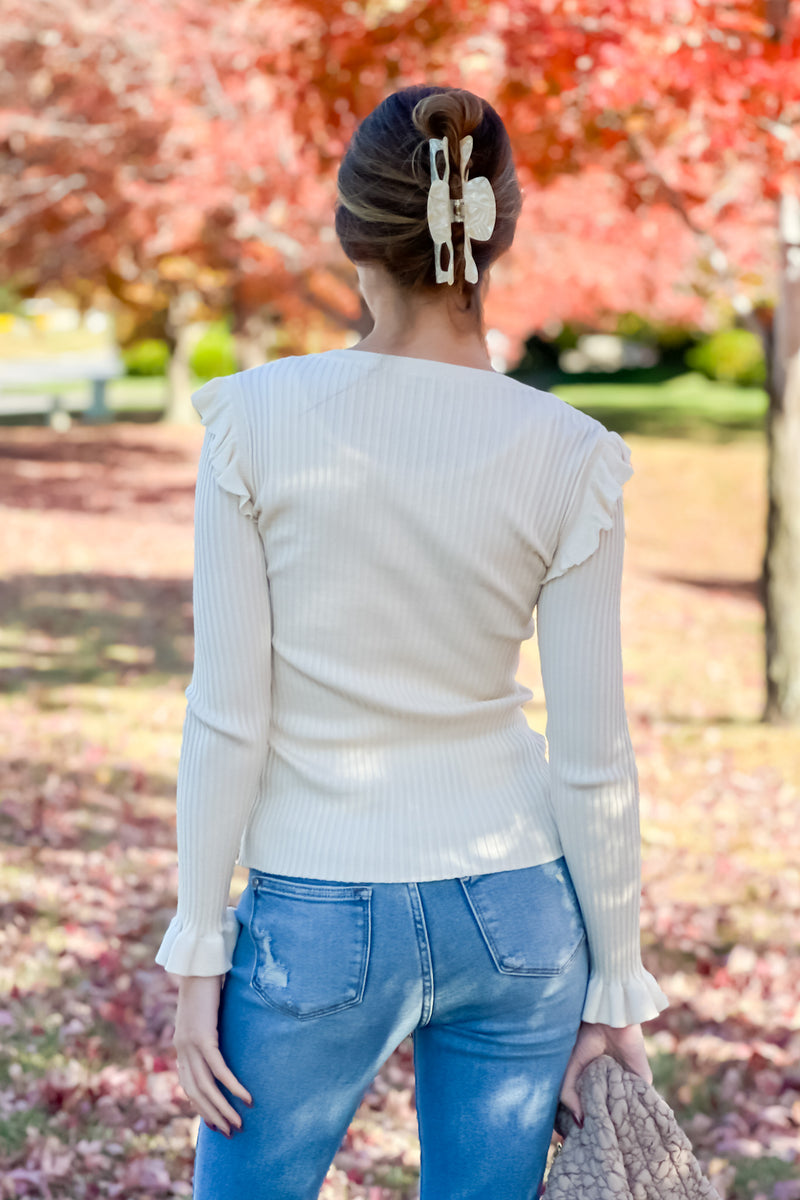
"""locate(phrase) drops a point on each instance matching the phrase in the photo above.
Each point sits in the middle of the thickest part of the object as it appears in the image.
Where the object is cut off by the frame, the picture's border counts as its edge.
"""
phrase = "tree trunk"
(253, 339)
(179, 375)
(782, 556)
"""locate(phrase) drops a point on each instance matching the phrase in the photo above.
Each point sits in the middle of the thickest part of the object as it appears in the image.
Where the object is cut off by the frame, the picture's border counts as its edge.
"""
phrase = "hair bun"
(385, 177)
(451, 114)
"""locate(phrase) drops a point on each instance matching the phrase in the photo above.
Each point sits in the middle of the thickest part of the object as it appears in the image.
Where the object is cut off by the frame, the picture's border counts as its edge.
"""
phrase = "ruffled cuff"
(608, 469)
(183, 951)
(216, 407)
(628, 1002)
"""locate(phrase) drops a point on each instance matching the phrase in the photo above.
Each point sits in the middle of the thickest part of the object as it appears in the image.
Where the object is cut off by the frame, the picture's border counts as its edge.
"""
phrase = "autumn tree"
(679, 110)
(145, 156)
(84, 119)
(172, 158)
(694, 107)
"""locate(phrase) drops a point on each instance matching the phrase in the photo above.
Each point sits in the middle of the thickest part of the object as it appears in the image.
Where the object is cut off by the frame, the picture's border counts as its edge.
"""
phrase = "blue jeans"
(489, 974)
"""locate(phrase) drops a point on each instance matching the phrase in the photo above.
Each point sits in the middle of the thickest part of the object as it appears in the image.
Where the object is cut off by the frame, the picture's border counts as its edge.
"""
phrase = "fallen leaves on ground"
(95, 652)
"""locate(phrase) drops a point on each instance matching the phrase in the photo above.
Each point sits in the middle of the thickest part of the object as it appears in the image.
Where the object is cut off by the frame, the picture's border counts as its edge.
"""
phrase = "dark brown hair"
(384, 178)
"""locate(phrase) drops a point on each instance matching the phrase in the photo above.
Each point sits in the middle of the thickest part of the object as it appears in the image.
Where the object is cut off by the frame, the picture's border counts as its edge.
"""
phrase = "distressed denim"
(488, 973)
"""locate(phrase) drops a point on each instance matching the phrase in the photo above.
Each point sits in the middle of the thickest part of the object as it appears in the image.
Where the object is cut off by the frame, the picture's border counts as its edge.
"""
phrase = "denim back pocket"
(530, 919)
(312, 943)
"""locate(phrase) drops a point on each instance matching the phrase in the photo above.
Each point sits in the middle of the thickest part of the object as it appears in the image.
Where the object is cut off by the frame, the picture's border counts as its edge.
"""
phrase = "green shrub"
(149, 356)
(655, 333)
(756, 1176)
(733, 355)
(215, 352)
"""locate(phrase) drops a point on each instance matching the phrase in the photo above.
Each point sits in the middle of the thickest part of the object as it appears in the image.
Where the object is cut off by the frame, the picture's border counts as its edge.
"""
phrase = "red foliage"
(137, 135)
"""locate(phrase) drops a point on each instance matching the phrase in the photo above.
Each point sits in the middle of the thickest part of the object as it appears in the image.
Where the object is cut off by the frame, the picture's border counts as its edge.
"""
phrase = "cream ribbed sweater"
(372, 535)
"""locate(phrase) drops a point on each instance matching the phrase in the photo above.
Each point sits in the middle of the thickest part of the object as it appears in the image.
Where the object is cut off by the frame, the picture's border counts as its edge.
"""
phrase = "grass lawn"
(95, 651)
(651, 403)
(684, 406)
(657, 403)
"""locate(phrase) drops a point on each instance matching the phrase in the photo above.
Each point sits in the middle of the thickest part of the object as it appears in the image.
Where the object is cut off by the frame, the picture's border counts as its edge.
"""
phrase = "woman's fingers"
(193, 1092)
(199, 1056)
(625, 1044)
(588, 1044)
(569, 1094)
(204, 1080)
(198, 1084)
(225, 1075)
(570, 1097)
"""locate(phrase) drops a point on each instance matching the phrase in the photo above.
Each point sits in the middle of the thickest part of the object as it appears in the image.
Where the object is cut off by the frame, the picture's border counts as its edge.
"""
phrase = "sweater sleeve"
(594, 782)
(226, 727)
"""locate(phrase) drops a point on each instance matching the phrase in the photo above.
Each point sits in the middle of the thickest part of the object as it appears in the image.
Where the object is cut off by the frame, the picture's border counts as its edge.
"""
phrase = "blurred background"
(166, 216)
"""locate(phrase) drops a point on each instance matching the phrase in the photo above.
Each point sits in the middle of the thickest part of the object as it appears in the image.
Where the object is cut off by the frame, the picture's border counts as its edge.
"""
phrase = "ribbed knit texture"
(372, 535)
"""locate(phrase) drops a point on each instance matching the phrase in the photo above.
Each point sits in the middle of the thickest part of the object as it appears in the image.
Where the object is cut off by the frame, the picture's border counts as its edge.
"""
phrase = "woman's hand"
(625, 1044)
(199, 1058)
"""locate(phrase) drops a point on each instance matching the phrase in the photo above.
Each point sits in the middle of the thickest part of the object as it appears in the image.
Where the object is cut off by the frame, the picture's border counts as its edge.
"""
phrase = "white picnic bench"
(95, 369)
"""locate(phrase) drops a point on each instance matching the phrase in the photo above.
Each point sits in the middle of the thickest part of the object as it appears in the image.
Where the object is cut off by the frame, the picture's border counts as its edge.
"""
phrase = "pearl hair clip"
(475, 207)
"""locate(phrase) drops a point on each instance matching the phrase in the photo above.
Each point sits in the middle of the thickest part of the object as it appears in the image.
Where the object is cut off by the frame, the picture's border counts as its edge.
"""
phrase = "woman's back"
(408, 510)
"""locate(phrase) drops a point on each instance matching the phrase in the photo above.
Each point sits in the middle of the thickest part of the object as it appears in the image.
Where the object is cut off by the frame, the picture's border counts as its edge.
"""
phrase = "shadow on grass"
(97, 471)
(93, 628)
(709, 719)
(751, 589)
(88, 446)
(130, 416)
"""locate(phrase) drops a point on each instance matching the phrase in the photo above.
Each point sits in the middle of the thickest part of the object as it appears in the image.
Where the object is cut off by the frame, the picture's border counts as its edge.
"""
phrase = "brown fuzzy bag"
(630, 1146)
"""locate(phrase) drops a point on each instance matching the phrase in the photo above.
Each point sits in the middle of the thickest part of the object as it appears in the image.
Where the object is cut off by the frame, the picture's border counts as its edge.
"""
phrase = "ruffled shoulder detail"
(624, 1002)
(216, 404)
(592, 510)
(185, 952)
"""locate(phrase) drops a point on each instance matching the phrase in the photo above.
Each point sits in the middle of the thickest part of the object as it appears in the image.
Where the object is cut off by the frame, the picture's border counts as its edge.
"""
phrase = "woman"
(374, 528)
